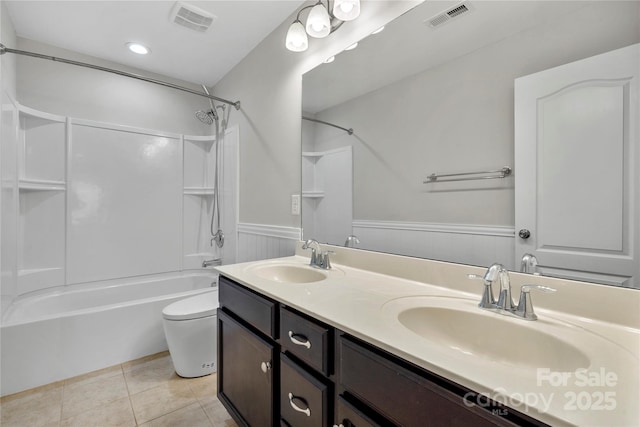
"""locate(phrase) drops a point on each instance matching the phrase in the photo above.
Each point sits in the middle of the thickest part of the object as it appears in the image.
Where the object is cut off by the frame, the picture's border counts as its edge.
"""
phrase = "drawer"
(306, 339)
(255, 309)
(404, 397)
(304, 398)
(348, 416)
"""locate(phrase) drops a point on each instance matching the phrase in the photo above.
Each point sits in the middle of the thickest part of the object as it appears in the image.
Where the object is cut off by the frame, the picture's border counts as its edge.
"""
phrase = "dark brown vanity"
(280, 367)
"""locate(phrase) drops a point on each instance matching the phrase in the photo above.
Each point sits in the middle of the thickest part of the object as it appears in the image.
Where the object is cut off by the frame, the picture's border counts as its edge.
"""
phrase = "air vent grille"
(448, 15)
(191, 17)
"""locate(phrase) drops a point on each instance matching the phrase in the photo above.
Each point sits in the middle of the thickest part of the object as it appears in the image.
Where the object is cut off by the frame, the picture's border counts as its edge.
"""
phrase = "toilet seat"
(197, 307)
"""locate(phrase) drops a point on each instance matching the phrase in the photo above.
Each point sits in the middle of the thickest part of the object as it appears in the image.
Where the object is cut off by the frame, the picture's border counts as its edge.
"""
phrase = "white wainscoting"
(258, 241)
(467, 244)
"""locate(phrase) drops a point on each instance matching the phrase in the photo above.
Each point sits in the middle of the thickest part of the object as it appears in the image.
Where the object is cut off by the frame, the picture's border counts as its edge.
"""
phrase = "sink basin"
(467, 329)
(288, 273)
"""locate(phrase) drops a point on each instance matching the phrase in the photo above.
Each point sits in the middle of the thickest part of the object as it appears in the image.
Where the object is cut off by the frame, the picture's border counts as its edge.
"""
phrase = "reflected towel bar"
(493, 174)
(349, 131)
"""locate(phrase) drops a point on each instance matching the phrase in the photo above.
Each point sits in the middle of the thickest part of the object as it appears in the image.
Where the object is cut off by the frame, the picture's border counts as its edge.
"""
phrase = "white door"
(577, 168)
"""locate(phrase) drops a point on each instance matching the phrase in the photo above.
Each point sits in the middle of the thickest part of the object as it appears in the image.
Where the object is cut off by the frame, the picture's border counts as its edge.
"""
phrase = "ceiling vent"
(191, 17)
(449, 15)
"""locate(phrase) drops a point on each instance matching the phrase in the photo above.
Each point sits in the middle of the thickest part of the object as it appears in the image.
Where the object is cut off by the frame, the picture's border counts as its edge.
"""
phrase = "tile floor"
(144, 392)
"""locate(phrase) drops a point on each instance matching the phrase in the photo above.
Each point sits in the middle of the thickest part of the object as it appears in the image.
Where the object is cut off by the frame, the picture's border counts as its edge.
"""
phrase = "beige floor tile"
(135, 364)
(204, 387)
(161, 400)
(33, 409)
(95, 375)
(115, 414)
(190, 416)
(150, 374)
(83, 396)
(218, 414)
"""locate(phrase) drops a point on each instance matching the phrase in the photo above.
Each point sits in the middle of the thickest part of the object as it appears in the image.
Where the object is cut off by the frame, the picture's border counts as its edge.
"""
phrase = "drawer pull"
(294, 339)
(306, 411)
(265, 367)
(338, 425)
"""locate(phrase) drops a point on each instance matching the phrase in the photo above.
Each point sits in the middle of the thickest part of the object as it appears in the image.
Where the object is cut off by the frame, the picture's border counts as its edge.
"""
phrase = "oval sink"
(492, 336)
(288, 273)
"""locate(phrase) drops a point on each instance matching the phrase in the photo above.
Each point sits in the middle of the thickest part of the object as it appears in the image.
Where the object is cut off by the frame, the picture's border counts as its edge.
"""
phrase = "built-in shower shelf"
(200, 255)
(313, 194)
(199, 191)
(313, 153)
(41, 185)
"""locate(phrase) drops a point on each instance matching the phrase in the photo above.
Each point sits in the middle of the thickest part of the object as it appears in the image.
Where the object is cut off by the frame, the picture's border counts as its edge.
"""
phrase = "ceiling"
(408, 46)
(102, 28)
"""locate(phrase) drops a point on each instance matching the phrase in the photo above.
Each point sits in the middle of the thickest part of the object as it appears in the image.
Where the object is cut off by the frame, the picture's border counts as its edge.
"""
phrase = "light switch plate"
(295, 204)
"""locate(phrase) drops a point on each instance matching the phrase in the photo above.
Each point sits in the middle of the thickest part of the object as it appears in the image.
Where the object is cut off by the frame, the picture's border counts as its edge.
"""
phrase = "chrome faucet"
(318, 258)
(505, 305)
(529, 264)
(351, 241)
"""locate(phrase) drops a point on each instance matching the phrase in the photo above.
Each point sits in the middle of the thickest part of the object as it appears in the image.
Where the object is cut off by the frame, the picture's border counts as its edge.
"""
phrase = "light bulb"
(297, 40)
(318, 22)
(346, 10)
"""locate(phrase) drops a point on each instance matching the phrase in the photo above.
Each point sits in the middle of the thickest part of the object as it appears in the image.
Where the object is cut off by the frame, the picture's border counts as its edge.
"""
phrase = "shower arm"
(4, 49)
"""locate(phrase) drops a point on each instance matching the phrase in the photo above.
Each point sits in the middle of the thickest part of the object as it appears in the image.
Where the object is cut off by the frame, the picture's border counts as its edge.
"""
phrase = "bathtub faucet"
(210, 262)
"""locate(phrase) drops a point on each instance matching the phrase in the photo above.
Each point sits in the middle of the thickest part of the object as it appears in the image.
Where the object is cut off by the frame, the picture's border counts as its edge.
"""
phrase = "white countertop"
(365, 304)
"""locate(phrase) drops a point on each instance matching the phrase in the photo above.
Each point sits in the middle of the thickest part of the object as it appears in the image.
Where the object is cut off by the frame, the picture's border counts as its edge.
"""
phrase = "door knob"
(524, 233)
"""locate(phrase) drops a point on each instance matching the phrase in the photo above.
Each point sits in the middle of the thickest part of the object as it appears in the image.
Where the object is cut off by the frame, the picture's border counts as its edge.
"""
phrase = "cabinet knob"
(265, 367)
(338, 425)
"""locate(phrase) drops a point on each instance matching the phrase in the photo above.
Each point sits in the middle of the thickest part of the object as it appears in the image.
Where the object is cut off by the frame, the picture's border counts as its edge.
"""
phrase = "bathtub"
(69, 331)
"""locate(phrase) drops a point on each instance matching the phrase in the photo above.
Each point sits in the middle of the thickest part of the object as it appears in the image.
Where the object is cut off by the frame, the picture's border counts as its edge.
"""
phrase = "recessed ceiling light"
(379, 30)
(353, 46)
(330, 60)
(138, 48)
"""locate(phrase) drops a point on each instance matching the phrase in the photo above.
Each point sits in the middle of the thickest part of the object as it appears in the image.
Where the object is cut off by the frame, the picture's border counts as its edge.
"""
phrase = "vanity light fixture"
(346, 10)
(138, 48)
(322, 20)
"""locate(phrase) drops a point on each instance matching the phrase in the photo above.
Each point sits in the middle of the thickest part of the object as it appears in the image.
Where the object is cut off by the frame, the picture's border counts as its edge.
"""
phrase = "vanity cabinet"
(406, 395)
(280, 367)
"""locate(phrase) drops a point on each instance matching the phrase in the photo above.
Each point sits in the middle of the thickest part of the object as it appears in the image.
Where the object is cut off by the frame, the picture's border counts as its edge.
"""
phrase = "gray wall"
(268, 82)
(79, 92)
(459, 117)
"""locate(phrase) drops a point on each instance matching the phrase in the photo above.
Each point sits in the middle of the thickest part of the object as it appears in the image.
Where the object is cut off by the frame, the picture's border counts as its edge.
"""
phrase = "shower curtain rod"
(4, 49)
(349, 131)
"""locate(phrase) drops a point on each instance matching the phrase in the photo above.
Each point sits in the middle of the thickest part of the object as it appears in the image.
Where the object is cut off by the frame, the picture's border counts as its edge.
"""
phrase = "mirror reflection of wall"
(428, 100)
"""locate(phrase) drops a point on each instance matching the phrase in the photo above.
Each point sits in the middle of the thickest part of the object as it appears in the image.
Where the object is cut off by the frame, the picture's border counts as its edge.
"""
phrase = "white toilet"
(191, 332)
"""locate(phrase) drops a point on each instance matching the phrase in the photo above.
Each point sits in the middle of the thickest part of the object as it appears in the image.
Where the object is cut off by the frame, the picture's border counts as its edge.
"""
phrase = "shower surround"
(100, 206)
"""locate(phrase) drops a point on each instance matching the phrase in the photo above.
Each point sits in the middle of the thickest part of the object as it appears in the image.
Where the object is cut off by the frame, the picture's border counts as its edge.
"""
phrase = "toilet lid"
(196, 307)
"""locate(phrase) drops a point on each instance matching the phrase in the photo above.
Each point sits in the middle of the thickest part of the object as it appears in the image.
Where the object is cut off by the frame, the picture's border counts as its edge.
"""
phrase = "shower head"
(207, 117)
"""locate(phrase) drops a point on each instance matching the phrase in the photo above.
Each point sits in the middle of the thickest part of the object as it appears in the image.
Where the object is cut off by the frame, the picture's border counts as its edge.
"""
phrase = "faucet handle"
(525, 306)
(325, 262)
(487, 300)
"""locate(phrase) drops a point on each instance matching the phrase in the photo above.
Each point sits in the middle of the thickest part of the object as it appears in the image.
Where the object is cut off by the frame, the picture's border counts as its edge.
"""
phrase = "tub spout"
(210, 262)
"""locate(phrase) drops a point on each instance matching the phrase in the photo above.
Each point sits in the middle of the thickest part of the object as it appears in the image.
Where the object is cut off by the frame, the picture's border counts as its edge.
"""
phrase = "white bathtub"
(46, 337)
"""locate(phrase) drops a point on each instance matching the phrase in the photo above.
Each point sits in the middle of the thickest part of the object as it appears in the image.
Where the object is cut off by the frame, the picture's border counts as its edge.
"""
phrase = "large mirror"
(433, 93)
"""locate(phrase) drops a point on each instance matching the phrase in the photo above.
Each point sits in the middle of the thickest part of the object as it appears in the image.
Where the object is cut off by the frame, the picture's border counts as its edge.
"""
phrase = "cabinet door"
(245, 373)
